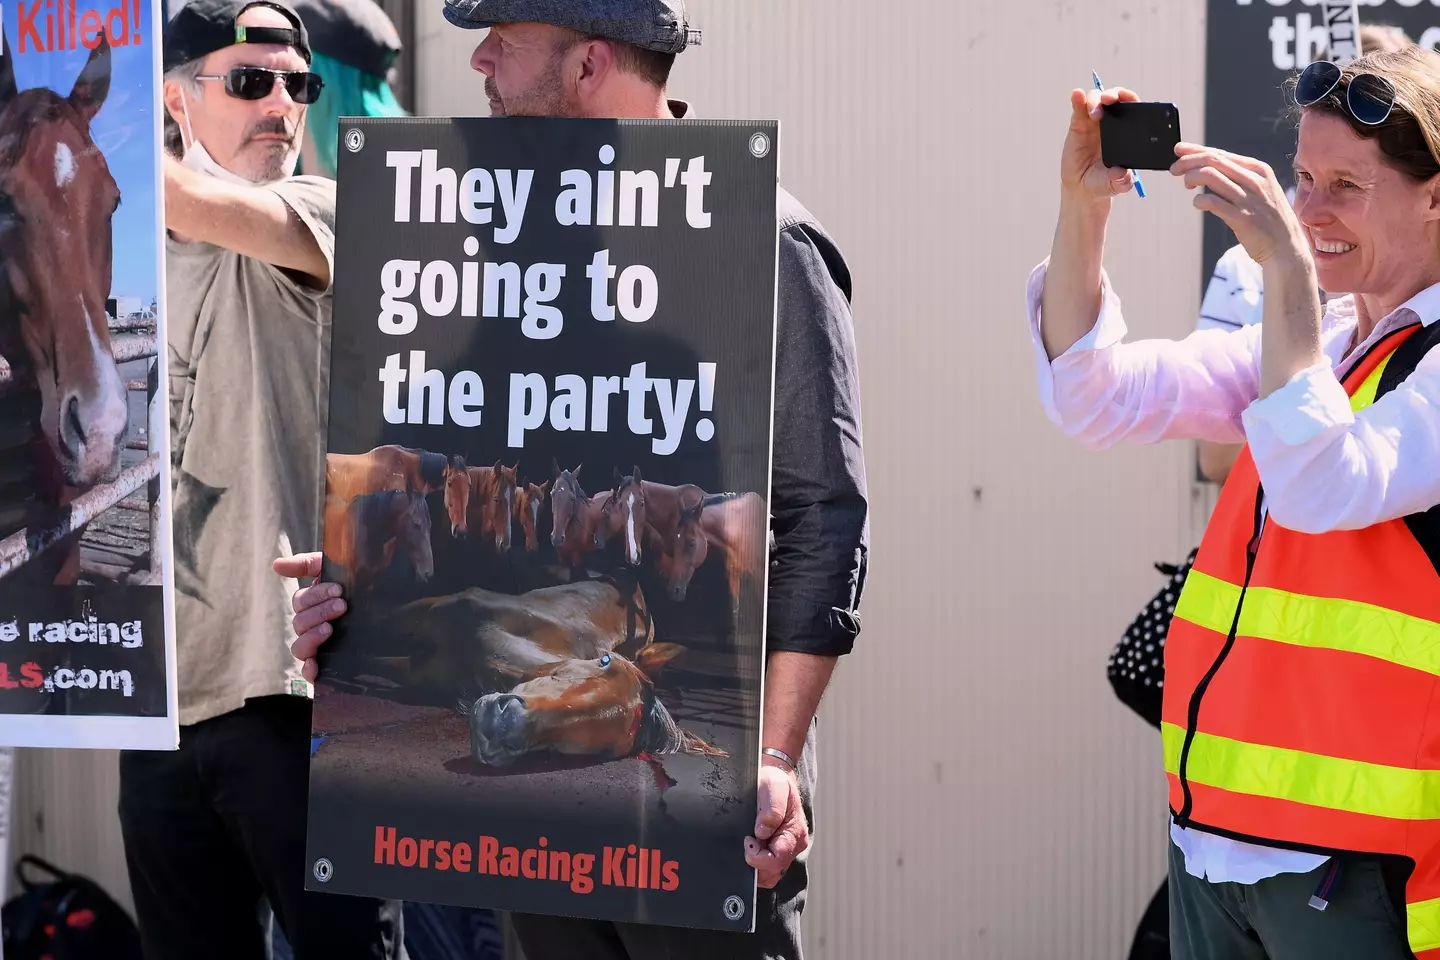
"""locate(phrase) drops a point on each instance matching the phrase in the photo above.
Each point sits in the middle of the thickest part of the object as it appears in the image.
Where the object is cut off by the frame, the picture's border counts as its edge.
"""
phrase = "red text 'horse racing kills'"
(57, 198)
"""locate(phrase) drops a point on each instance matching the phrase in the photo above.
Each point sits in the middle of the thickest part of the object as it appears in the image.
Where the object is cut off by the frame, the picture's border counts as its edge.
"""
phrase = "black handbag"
(65, 917)
(1137, 664)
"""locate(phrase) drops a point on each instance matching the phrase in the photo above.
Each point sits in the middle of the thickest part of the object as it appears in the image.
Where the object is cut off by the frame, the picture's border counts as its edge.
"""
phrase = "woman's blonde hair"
(1410, 137)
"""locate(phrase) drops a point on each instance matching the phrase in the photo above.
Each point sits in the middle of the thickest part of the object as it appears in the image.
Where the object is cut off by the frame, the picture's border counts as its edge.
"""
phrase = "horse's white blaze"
(64, 165)
(509, 514)
(104, 417)
(630, 526)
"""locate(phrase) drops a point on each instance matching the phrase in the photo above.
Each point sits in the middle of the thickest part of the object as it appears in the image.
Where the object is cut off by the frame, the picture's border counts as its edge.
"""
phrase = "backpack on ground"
(65, 916)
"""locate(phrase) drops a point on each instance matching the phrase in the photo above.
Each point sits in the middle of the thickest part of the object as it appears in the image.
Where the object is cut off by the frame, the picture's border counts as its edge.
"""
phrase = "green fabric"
(1273, 919)
(348, 92)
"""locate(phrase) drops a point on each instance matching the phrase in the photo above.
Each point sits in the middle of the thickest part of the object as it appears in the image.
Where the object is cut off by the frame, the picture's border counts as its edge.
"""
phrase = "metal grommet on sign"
(734, 908)
(354, 140)
(324, 870)
(759, 145)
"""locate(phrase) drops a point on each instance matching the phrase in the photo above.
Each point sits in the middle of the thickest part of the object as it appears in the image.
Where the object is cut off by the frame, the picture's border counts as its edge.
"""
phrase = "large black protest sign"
(1252, 47)
(548, 471)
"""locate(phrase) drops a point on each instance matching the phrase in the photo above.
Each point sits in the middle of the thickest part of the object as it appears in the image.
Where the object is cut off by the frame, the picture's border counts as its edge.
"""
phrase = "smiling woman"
(1293, 580)
(1364, 173)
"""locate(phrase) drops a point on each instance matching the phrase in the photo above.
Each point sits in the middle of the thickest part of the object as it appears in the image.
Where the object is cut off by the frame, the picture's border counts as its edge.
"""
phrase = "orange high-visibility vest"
(1302, 676)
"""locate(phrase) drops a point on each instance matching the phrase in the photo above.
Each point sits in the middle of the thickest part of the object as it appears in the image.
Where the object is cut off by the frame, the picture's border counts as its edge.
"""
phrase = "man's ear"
(175, 104)
(593, 68)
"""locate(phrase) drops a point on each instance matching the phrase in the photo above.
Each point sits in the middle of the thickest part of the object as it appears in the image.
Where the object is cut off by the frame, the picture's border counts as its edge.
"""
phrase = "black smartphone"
(1139, 135)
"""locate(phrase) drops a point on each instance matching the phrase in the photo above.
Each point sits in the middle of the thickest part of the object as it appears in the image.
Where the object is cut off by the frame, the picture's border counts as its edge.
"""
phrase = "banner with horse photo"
(86, 639)
(548, 471)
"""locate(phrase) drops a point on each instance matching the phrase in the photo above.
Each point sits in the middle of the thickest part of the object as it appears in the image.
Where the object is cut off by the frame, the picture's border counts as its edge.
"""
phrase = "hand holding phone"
(1139, 135)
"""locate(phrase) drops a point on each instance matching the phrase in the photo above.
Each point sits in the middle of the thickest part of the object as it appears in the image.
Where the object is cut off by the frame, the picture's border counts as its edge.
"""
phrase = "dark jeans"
(212, 828)
(777, 917)
(1272, 919)
(435, 931)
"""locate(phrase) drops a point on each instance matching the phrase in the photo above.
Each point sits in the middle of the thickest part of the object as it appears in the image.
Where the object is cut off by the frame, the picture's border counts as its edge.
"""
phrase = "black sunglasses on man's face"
(1368, 98)
(255, 83)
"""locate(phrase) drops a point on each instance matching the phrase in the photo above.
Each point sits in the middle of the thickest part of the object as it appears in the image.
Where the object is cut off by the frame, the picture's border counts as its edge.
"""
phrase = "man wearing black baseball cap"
(214, 827)
(612, 59)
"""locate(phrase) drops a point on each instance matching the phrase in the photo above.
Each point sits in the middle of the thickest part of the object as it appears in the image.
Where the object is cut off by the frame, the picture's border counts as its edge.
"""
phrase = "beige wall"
(983, 795)
(982, 792)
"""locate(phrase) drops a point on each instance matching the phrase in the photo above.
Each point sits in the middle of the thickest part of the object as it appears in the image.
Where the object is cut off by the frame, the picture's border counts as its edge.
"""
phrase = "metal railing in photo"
(27, 543)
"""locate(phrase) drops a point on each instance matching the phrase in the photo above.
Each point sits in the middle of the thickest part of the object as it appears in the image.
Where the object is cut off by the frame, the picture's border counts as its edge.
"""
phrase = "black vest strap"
(1424, 526)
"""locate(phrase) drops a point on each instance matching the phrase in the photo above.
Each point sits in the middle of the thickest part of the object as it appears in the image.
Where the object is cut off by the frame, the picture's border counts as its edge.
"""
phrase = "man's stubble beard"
(274, 163)
(276, 159)
(547, 98)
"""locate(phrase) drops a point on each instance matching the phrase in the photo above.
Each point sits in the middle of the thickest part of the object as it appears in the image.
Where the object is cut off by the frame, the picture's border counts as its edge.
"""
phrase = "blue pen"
(1139, 187)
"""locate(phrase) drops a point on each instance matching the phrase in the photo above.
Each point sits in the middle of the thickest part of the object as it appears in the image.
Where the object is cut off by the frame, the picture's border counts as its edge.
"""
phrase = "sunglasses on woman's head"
(1368, 98)
(255, 83)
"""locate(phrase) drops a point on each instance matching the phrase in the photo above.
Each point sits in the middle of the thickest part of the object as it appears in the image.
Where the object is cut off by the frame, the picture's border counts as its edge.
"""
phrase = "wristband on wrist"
(779, 755)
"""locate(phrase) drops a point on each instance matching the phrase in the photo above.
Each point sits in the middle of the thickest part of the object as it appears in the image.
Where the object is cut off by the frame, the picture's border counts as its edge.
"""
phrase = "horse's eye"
(7, 206)
(605, 660)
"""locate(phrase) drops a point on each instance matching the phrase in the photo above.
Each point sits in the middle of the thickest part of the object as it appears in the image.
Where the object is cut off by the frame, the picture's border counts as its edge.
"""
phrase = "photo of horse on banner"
(74, 428)
(568, 665)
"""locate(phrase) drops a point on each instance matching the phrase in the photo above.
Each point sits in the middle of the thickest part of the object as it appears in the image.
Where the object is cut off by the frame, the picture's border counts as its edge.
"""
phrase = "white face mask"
(198, 158)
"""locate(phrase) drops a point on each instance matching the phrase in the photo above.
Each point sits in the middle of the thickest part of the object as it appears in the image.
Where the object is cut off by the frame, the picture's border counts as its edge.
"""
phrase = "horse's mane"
(579, 490)
(659, 734)
(432, 468)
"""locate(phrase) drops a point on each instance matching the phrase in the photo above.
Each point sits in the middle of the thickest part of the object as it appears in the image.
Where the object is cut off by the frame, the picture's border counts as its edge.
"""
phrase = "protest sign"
(548, 473)
(86, 652)
(1251, 49)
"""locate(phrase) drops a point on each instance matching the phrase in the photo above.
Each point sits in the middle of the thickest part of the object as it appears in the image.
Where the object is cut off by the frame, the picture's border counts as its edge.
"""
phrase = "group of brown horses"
(376, 509)
(569, 667)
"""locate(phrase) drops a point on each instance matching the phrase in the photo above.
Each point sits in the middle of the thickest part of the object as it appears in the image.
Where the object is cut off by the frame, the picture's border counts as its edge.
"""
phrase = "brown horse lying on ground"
(390, 467)
(480, 498)
(57, 199)
(363, 536)
(604, 707)
(581, 653)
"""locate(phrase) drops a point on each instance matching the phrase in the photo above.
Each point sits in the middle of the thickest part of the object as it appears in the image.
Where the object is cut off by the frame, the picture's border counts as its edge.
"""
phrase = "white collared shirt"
(1235, 295)
(1323, 466)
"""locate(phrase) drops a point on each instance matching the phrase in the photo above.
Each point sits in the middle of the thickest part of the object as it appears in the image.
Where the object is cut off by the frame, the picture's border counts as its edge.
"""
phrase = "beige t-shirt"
(249, 361)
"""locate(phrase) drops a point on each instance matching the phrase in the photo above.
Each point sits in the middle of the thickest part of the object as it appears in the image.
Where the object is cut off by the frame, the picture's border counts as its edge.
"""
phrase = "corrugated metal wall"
(65, 811)
(982, 793)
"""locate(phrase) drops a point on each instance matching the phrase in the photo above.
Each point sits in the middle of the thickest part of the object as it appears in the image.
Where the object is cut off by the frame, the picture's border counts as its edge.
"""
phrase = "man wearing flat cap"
(216, 827)
(612, 59)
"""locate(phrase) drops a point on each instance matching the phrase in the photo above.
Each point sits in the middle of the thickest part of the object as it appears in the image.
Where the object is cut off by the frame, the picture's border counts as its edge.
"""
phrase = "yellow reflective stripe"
(1423, 924)
(1334, 783)
(1366, 394)
(1321, 622)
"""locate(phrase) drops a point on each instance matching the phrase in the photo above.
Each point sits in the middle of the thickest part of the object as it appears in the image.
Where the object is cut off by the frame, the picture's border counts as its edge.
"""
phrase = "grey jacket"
(819, 506)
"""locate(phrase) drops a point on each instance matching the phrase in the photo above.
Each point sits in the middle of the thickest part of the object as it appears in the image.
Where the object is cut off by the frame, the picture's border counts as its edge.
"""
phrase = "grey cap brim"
(453, 14)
